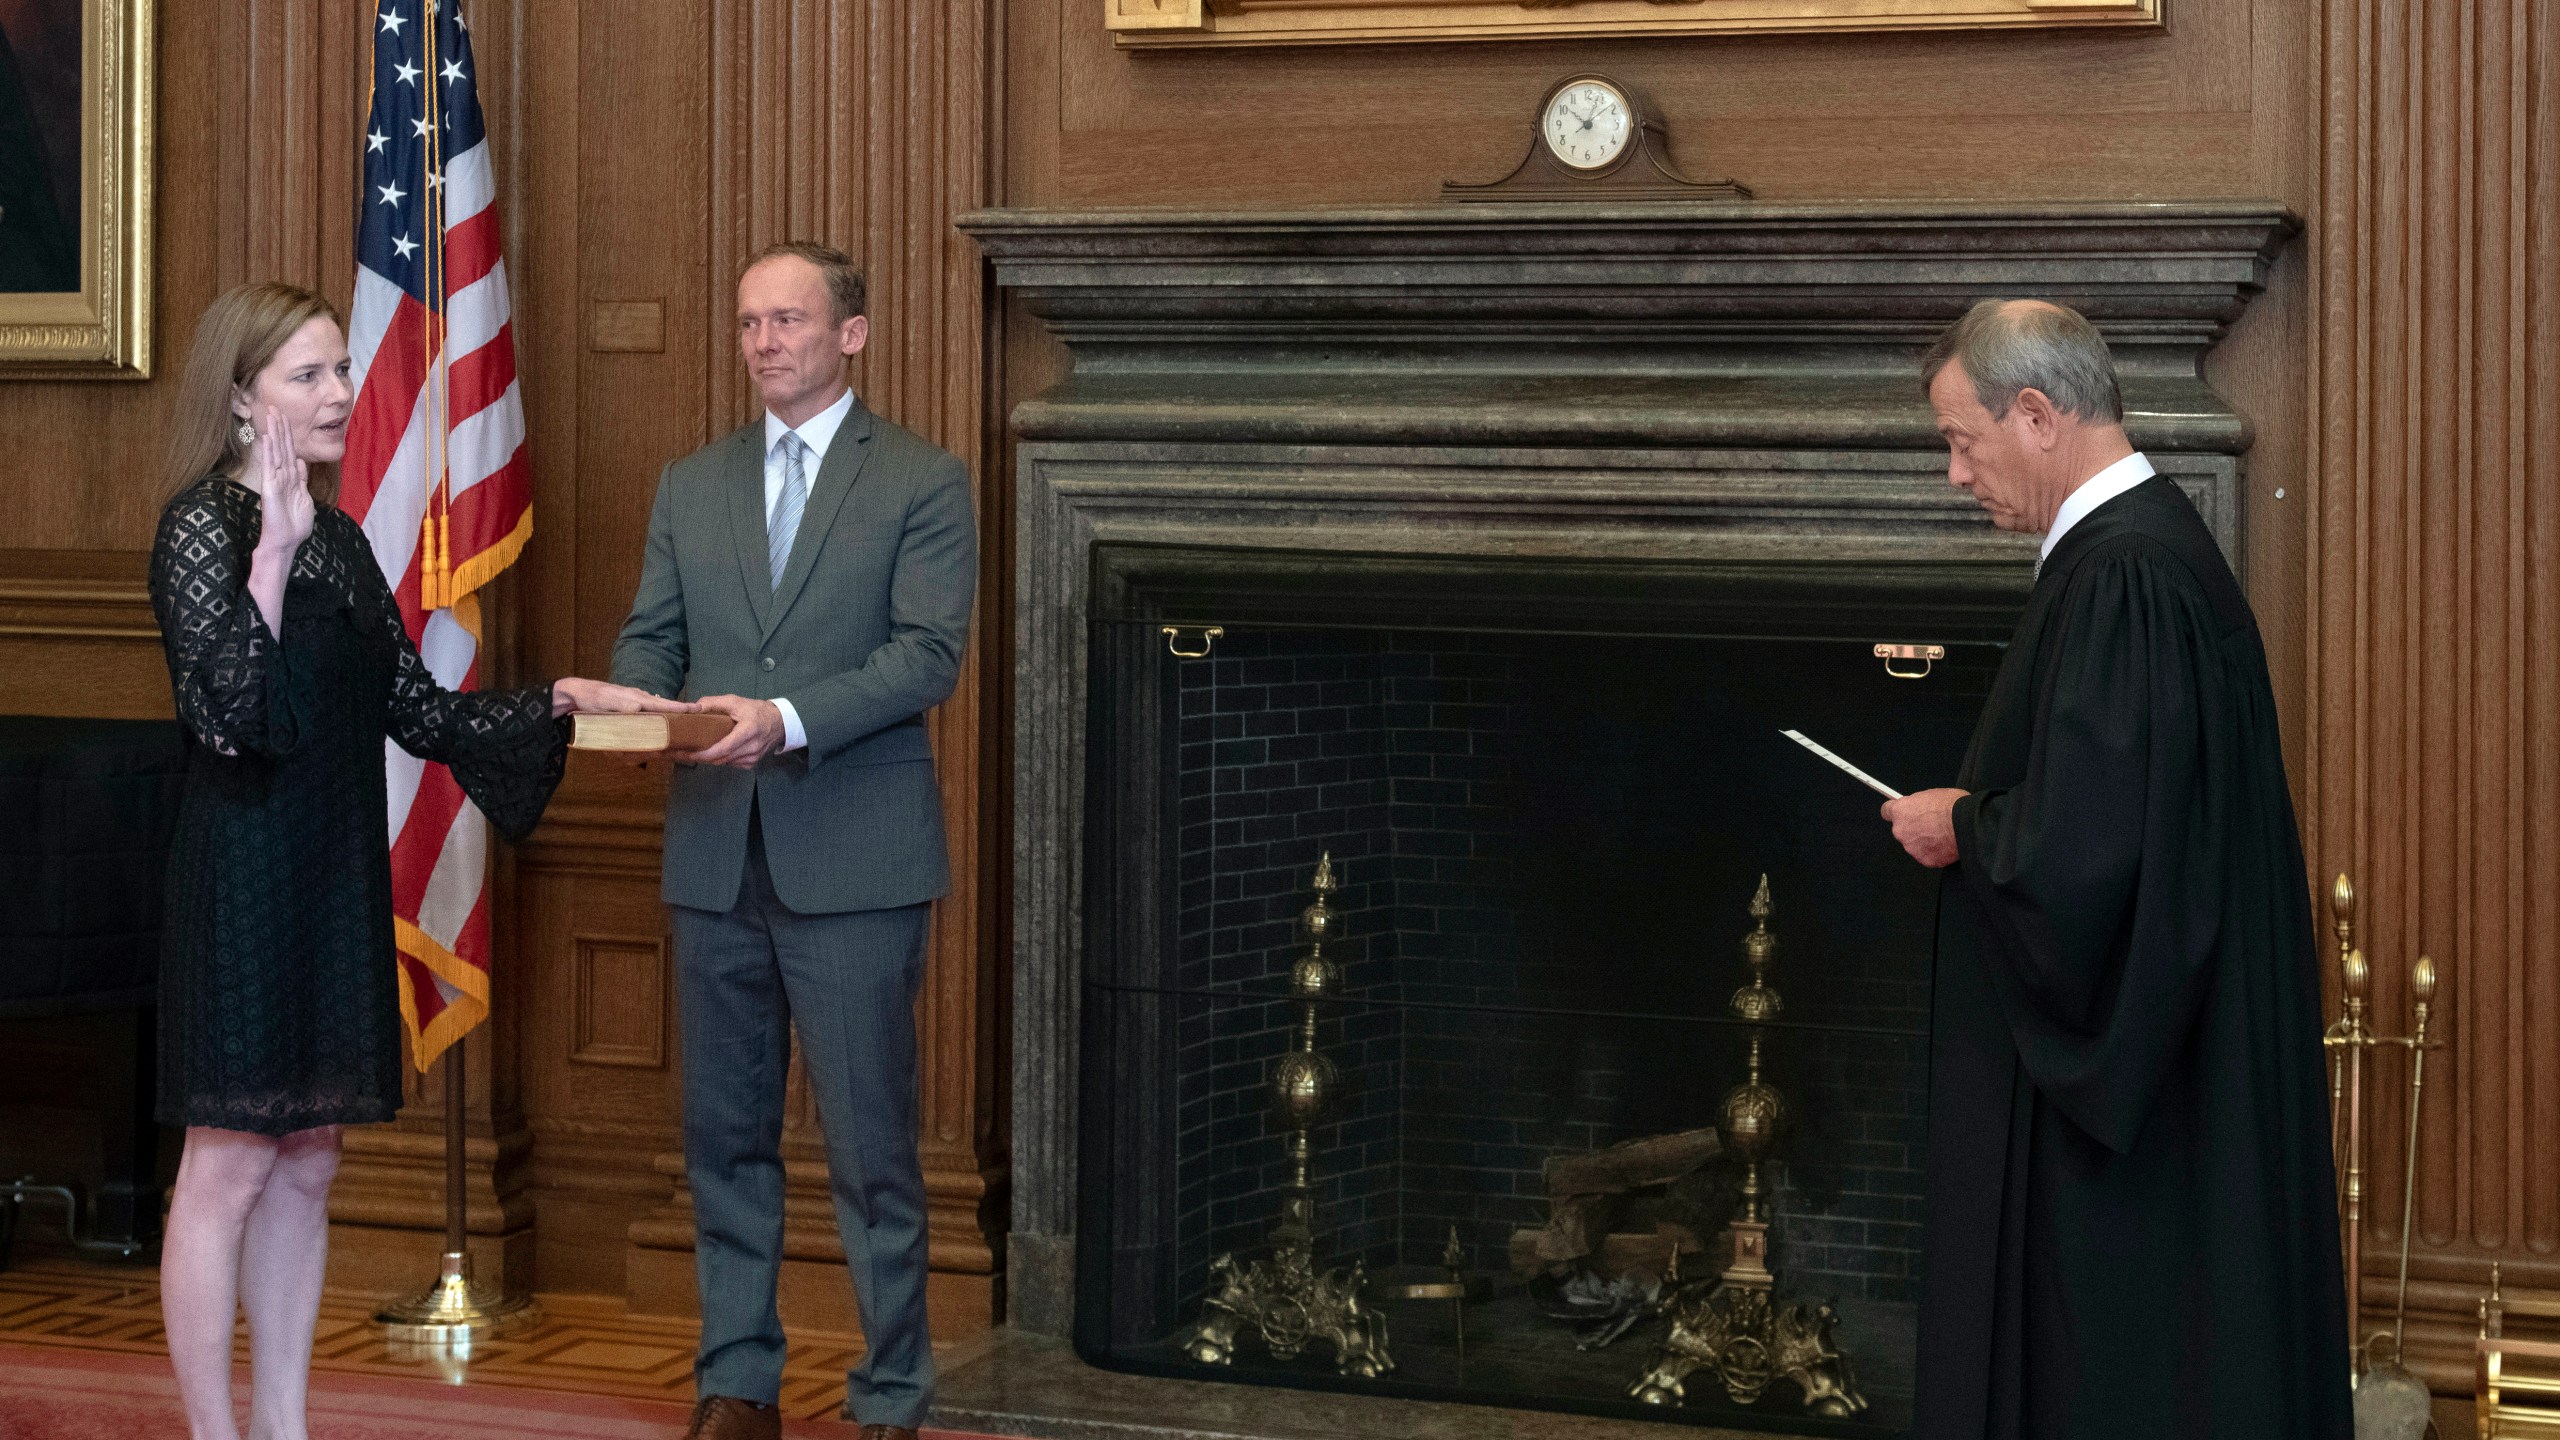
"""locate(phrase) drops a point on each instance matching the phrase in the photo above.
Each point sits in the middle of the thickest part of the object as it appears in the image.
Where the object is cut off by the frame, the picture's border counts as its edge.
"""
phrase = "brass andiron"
(2389, 1399)
(1732, 1326)
(1283, 1298)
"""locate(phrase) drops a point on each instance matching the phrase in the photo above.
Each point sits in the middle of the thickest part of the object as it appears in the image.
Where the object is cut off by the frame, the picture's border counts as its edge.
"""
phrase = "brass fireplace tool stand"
(2387, 1387)
(1733, 1326)
(1283, 1298)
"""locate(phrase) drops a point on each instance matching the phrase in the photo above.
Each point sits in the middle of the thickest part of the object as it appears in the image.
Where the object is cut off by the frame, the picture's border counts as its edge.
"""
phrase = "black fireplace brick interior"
(1546, 846)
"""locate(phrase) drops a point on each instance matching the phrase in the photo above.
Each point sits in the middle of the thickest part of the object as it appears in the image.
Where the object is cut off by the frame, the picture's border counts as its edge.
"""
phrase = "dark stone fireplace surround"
(1529, 410)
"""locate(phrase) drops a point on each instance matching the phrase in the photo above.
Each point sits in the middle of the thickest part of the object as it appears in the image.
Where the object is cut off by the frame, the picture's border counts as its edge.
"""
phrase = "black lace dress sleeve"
(231, 681)
(503, 747)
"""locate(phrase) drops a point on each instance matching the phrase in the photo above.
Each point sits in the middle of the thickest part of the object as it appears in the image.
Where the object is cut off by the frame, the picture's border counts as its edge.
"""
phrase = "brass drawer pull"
(1208, 641)
(1927, 655)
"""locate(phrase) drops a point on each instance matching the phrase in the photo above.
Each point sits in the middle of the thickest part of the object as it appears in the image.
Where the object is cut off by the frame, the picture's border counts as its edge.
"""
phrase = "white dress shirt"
(817, 432)
(2095, 491)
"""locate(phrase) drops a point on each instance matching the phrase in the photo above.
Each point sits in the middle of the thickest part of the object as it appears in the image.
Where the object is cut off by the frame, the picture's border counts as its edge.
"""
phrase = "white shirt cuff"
(794, 737)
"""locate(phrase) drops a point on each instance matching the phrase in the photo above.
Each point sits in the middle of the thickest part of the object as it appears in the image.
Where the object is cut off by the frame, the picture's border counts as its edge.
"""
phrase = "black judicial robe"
(2130, 1228)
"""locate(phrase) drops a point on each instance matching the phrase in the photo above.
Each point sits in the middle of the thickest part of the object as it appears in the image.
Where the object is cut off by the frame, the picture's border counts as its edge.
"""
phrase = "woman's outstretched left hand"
(600, 697)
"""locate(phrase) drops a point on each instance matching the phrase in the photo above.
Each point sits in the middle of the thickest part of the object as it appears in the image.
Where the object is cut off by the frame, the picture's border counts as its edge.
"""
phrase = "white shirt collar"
(2095, 491)
(817, 432)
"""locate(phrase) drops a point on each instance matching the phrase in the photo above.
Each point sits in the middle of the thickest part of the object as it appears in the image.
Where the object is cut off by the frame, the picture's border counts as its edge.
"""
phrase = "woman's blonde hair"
(239, 334)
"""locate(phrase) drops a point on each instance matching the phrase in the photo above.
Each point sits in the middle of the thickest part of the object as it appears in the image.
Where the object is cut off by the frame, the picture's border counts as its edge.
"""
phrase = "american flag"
(435, 467)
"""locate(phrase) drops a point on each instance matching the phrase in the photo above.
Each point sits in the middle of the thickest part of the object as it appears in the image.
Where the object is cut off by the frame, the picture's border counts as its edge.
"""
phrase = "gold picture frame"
(97, 324)
(1147, 24)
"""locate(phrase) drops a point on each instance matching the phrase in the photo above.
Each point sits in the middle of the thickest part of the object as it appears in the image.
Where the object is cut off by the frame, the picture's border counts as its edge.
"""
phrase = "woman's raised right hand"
(286, 510)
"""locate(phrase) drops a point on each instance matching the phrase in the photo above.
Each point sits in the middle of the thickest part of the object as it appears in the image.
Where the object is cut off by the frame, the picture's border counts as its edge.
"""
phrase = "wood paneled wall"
(2401, 374)
(641, 154)
(2432, 632)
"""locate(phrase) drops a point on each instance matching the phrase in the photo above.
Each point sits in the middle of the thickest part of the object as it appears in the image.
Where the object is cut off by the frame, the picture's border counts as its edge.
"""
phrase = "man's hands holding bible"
(755, 733)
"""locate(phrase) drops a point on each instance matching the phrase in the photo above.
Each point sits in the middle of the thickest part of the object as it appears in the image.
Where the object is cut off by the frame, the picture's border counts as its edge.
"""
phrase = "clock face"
(1588, 124)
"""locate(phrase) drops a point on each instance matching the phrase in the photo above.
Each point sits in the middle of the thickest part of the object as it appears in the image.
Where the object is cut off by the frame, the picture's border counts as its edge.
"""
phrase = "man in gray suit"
(810, 576)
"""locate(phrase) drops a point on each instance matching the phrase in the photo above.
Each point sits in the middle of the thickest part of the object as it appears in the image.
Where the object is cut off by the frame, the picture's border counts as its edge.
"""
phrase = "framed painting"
(75, 189)
(1167, 23)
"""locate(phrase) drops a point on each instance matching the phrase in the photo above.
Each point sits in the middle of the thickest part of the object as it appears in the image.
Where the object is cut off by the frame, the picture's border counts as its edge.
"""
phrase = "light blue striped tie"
(785, 524)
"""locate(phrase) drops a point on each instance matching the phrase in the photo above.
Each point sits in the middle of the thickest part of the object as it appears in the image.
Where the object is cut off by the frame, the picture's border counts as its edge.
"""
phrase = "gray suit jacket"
(863, 636)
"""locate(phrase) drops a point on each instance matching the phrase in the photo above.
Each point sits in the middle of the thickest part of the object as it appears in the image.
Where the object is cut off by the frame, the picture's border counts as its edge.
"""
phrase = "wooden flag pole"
(457, 1196)
(453, 1312)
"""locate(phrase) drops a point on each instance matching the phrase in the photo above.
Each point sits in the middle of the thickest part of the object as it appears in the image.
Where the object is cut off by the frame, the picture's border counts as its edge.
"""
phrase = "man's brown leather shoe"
(726, 1417)
(886, 1432)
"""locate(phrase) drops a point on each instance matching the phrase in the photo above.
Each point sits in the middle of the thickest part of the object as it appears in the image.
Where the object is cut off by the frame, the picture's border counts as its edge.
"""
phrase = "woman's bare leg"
(221, 1178)
(283, 1256)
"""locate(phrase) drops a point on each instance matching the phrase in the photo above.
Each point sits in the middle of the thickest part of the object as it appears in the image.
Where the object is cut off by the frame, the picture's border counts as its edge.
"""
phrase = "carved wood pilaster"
(2433, 612)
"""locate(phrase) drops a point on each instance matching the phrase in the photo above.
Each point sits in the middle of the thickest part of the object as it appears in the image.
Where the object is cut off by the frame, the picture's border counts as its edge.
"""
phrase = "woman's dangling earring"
(247, 432)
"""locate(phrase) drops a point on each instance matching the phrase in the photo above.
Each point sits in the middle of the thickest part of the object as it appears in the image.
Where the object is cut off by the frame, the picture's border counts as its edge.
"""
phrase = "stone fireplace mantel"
(1718, 389)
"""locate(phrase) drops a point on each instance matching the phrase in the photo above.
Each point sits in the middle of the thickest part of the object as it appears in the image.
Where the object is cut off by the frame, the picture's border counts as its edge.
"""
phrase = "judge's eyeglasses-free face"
(2002, 462)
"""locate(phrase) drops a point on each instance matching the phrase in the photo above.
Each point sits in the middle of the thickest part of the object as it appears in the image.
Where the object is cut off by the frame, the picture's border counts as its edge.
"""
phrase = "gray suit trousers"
(848, 981)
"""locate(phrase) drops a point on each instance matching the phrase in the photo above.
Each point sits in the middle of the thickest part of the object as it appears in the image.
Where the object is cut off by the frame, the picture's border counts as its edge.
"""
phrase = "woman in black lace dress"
(279, 1018)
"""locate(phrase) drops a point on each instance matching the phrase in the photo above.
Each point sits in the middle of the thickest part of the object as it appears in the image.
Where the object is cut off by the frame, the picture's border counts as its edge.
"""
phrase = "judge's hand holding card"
(1925, 824)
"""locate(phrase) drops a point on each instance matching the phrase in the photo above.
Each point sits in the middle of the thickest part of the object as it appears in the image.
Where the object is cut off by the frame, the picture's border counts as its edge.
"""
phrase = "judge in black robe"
(2130, 1226)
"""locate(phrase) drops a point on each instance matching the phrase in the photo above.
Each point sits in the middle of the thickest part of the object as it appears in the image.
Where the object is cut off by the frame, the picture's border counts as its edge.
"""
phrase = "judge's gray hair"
(2008, 346)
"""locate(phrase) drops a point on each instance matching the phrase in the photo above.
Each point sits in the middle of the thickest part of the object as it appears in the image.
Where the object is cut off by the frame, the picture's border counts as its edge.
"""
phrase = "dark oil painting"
(40, 145)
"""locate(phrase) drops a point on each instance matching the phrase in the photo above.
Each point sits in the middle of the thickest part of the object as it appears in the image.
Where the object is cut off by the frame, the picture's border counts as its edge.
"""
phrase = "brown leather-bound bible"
(646, 734)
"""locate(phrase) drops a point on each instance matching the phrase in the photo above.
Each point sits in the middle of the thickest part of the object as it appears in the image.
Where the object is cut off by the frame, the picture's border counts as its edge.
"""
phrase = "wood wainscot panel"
(2434, 616)
(77, 636)
(597, 1062)
(620, 1001)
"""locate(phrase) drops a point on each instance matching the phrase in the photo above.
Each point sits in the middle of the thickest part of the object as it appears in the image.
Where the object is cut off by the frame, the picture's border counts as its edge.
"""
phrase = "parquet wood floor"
(582, 1343)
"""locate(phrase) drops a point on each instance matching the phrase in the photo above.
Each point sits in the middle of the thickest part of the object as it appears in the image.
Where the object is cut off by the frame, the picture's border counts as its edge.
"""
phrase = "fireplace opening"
(1453, 910)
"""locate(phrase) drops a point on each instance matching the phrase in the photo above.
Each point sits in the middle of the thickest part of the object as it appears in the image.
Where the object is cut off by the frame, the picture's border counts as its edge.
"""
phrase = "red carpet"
(57, 1394)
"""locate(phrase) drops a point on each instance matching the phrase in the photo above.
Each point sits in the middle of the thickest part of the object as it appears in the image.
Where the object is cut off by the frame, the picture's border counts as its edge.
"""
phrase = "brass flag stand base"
(452, 1313)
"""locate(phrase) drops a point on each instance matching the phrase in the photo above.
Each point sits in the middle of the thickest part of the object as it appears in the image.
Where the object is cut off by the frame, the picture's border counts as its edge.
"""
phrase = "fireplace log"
(1632, 1164)
(1600, 1203)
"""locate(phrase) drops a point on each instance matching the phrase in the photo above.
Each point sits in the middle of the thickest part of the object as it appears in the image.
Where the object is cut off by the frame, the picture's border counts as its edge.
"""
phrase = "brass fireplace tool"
(1283, 1298)
(1732, 1325)
(2386, 1389)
